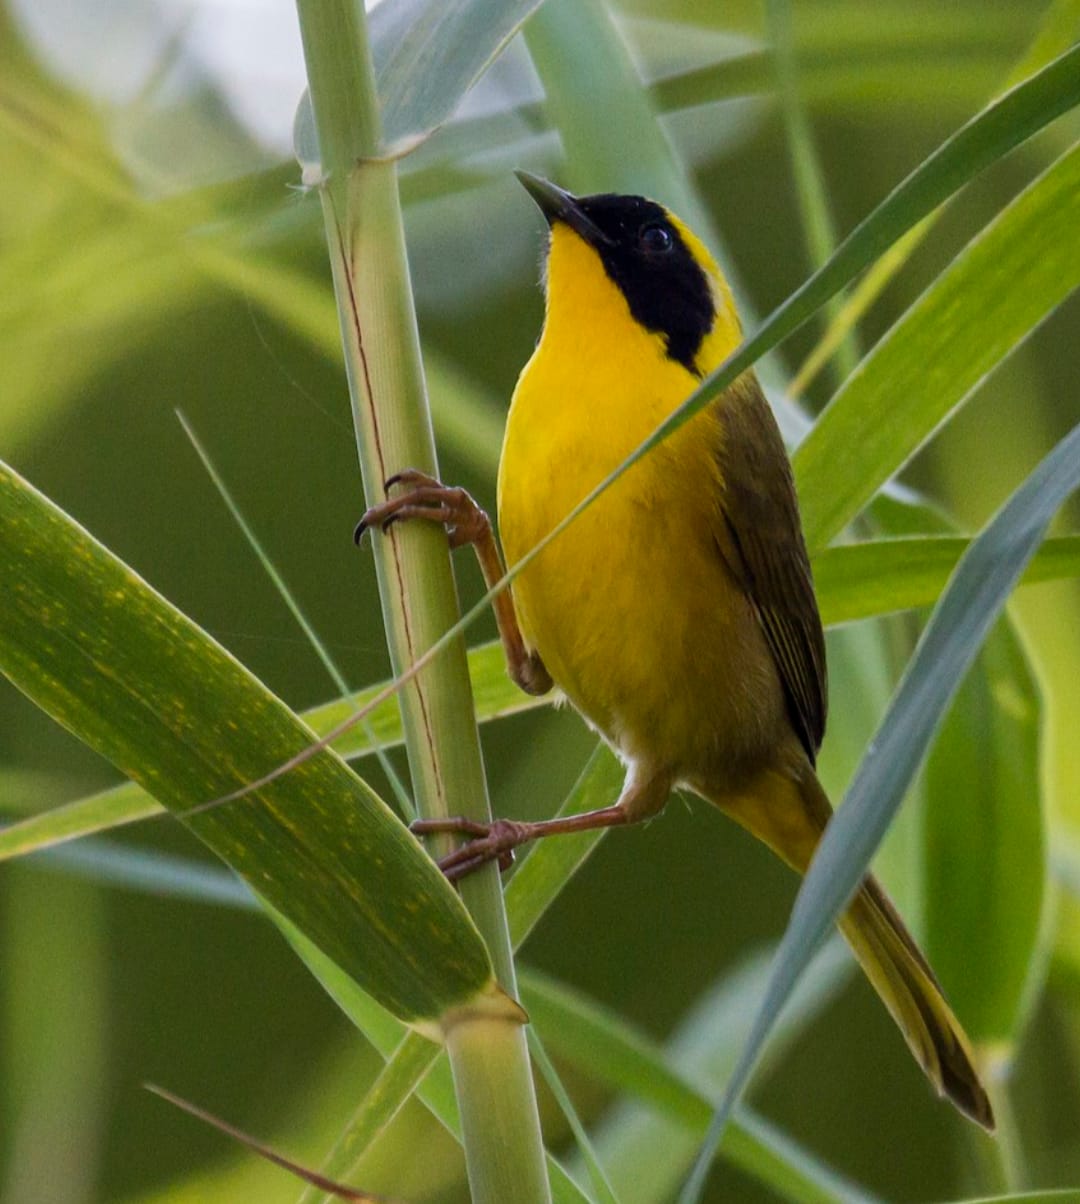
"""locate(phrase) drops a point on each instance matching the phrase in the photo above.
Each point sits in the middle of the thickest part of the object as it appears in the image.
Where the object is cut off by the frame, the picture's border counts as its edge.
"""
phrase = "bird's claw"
(495, 841)
(427, 498)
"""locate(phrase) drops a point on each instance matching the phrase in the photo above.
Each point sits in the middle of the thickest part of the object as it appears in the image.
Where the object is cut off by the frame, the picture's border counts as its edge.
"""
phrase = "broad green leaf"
(111, 660)
(1016, 272)
(985, 847)
(879, 577)
(494, 693)
(959, 625)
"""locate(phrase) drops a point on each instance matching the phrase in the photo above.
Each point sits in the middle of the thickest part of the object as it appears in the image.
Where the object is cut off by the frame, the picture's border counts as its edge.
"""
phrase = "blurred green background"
(155, 255)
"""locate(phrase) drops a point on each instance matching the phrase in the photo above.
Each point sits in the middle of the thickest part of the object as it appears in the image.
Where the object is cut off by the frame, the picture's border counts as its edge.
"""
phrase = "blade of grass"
(961, 620)
(154, 873)
(395, 1085)
(883, 576)
(548, 865)
(408, 809)
(602, 1190)
(1056, 34)
(1005, 282)
(818, 229)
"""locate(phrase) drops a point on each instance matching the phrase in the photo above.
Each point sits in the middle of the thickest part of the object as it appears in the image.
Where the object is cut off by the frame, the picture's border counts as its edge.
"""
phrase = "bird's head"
(662, 270)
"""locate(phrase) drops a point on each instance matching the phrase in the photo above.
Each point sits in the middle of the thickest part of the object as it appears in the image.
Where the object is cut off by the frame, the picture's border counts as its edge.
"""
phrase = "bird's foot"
(493, 841)
(425, 497)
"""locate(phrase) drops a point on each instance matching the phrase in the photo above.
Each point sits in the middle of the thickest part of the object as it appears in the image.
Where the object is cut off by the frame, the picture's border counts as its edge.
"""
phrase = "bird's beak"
(558, 205)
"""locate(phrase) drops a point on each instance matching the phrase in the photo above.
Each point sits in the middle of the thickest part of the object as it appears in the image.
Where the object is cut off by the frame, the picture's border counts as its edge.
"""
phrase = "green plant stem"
(361, 209)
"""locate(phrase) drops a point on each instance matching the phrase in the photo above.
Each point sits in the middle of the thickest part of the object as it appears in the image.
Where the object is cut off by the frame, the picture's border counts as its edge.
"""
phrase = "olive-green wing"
(763, 546)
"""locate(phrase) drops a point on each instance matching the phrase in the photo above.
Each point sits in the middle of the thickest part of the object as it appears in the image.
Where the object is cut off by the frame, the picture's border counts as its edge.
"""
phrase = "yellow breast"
(630, 608)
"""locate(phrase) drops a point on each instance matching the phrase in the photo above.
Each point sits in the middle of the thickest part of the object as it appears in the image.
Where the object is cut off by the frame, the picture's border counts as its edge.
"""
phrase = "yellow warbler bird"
(677, 612)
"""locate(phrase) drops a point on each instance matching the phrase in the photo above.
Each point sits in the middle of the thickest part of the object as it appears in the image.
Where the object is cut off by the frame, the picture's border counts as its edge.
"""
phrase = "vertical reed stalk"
(362, 213)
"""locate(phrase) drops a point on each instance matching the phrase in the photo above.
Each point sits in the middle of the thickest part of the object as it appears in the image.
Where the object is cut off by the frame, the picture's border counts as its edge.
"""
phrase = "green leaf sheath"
(110, 659)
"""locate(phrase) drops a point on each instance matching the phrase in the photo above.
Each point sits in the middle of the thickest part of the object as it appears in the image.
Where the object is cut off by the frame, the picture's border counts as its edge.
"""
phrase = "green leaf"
(495, 695)
(881, 576)
(152, 872)
(956, 631)
(1018, 270)
(116, 664)
(427, 55)
(985, 852)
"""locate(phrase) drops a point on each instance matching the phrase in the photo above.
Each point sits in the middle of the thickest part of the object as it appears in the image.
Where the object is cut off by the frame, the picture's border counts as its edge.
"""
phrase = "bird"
(676, 612)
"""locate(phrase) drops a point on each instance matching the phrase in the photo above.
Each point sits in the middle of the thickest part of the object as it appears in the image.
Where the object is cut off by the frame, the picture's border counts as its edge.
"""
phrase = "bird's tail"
(899, 973)
(790, 817)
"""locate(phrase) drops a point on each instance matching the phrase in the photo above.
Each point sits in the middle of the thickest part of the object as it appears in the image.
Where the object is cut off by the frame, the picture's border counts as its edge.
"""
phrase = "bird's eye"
(655, 237)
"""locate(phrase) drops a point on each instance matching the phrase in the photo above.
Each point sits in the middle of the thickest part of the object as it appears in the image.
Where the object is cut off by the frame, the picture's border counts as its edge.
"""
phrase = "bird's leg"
(465, 523)
(641, 798)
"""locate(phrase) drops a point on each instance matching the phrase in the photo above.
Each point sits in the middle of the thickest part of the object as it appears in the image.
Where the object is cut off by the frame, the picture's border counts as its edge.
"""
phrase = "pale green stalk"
(359, 194)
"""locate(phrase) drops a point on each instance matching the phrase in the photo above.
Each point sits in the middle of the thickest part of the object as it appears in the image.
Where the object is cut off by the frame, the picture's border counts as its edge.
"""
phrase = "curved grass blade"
(959, 625)
(1056, 34)
(398, 1080)
(116, 664)
(1005, 282)
(153, 873)
(548, 865)
(1066, 1195)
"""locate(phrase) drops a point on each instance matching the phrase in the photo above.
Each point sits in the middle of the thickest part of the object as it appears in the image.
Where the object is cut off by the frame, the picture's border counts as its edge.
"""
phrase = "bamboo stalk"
(361, 209)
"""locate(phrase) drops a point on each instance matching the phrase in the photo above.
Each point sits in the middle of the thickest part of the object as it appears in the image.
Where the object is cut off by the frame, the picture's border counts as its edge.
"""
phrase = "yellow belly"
(632, 609)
